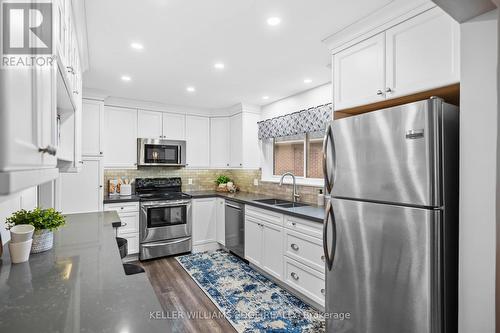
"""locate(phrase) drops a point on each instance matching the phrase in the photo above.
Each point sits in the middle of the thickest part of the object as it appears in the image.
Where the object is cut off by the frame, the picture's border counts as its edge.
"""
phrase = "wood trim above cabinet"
(451, 94)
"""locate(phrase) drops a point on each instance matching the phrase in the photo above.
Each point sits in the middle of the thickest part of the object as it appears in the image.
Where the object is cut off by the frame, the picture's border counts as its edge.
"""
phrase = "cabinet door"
(198, 141)
(92, 127)
(253, 241)
(219, 142)
(422, 54)
(359, 73)
(82, 192)
(149, 124)
(250, 140)
(203, 221)
(272, 249)
(221, 221)
(120, 137)
(236, 142)
(174, 126)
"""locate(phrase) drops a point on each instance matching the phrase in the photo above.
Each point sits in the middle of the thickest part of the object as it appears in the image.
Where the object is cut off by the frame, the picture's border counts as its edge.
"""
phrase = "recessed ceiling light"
(265, 97)
(308, 80)
(126, 78)
(219, 65)
(191, 89)
(137, 46)
(273, 21)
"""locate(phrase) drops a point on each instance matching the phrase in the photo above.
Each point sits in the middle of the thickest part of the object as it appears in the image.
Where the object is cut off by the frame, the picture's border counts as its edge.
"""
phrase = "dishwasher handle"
(233, 206)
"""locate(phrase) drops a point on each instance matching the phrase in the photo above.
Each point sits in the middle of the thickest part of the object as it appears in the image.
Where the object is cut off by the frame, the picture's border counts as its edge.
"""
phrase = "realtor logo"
(27, 28)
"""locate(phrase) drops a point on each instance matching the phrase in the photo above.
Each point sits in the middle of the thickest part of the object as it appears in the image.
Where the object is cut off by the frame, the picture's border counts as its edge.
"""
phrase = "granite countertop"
(120, 198)
(78, 286)
(310, 212)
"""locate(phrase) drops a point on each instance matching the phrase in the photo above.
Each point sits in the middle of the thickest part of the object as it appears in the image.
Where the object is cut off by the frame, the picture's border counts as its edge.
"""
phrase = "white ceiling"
(184, 38)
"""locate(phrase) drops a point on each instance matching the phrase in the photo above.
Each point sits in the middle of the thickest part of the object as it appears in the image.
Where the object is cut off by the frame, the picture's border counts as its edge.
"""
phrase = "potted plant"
(222, 181)
(45, 222)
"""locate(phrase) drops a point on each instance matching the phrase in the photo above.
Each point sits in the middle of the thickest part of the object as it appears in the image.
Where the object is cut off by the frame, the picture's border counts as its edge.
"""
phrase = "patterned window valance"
(305, 121)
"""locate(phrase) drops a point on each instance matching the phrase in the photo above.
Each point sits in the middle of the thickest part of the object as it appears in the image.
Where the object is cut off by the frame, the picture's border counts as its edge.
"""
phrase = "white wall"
(478, 172)
(304, 100)
(26, 199)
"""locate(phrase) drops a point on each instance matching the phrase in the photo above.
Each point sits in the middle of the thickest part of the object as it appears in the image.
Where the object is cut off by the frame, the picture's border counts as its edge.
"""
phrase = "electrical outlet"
(190, 181)
(256, 182)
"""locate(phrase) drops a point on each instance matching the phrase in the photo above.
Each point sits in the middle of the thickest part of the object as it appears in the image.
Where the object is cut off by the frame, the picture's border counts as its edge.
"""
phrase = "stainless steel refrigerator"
(391, 223)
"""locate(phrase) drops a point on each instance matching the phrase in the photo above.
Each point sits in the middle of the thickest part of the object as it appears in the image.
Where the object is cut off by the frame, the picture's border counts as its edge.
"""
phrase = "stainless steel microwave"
(156, 152)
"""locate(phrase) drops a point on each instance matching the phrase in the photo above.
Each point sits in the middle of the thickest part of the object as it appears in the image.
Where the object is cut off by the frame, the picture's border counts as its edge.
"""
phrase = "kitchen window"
(294, 143)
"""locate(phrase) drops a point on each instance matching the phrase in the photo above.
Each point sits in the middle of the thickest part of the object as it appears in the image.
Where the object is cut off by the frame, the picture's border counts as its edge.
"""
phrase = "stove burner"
(150, 189)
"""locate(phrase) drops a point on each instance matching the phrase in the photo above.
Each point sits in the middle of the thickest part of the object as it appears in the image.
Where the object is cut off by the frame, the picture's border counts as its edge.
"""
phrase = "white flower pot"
(43, 240)
(20, 252)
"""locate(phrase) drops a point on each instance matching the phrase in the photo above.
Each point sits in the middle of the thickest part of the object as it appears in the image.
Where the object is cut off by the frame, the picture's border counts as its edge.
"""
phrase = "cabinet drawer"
(311, 228)
(132, 243)
(305, 249)
(130, 223)
(264, 215)
(309, 282)
(122, 207)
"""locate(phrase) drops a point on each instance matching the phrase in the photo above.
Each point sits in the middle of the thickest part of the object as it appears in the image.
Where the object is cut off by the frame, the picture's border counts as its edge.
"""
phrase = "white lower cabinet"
(204, 224)
(220, 214)
(272, 251)
(129, 216)
(253, 241)
(308, 281)
(287, 248)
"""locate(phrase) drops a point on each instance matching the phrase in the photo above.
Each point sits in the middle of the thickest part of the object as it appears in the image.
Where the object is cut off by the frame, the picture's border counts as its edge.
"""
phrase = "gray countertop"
(311, 212)
(78, 286)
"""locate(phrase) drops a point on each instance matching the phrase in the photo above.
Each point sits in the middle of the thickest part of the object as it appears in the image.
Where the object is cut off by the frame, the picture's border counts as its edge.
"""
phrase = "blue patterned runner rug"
(250, 301)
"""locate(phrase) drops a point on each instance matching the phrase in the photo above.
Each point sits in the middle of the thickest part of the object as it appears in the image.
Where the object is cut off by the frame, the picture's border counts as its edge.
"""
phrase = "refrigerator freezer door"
(391, 155)
(384, 274)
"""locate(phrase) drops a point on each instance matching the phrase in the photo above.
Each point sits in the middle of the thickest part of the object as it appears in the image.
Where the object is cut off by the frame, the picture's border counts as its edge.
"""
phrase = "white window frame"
(267, 158)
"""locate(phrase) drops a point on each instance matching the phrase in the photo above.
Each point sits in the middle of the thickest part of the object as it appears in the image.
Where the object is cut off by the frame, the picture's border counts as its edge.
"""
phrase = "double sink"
(281, 203)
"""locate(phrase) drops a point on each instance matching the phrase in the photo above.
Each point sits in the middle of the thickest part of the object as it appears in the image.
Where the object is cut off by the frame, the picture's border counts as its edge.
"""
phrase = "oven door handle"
(166, 204)
(155, 244)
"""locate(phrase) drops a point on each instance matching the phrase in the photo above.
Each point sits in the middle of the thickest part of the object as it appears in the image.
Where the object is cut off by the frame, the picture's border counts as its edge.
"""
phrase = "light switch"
(190, 181)
(256, 182)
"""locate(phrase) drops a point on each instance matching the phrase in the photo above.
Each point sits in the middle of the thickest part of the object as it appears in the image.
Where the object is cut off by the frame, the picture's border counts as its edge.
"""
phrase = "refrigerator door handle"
(328, 138)
(329, 255)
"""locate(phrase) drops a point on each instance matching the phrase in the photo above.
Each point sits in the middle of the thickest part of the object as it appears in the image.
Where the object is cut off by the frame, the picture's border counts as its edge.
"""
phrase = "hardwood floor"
(179, 294)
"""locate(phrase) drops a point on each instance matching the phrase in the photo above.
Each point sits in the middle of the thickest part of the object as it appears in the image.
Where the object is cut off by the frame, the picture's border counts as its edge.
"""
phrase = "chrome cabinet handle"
(294, 247)
(322, 291)
(294, 224)
(51, 150)
(70, 69)
(76, 92)
(328, 135)
(294, 276)
(329, 256)
(380, 92)
(323, 258)
(388, 90)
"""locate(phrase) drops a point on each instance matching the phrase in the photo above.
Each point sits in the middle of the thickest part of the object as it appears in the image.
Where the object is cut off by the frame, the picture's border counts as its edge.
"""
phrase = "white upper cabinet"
(422, 54)
(149, 124)
(219, 142)
(250, 140)
(359, 73)
(174, 126)
(120, 137)
(92, 128)
(418, 54)
(236, 142)
(198, 141)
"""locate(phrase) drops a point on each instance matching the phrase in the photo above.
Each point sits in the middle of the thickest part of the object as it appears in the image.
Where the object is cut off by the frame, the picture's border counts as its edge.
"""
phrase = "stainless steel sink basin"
(281, 203)
(292, 205)
(273, 202)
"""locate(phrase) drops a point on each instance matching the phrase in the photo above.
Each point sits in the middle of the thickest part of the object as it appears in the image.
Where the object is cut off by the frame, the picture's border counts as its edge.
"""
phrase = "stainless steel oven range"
(165, 218)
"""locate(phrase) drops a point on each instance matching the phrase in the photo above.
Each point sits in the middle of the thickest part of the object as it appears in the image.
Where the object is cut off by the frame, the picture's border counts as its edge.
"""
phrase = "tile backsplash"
(204, 179)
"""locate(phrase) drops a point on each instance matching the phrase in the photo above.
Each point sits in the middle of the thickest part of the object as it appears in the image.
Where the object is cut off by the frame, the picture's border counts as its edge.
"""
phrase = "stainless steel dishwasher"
(235, 228)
